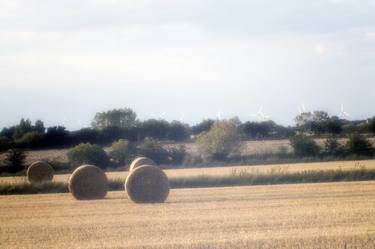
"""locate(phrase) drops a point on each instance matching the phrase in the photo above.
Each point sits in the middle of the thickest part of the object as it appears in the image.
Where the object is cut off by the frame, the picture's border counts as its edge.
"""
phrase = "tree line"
(115, 124)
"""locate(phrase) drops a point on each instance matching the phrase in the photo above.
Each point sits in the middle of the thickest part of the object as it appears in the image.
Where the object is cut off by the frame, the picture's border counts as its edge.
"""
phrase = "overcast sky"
(63, 61)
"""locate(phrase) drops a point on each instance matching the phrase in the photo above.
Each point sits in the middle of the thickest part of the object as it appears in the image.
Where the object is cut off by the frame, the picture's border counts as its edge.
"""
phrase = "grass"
(325, 215)
(235, 178)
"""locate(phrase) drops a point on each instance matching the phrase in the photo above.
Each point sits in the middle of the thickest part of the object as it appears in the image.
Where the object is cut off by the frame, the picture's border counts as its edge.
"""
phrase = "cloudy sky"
(63, 61)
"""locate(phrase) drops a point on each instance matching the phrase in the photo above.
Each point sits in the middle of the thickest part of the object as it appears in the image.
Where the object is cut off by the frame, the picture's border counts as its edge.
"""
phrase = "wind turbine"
(302, 109)
(260, 115)
(218, 114)
(343, 114)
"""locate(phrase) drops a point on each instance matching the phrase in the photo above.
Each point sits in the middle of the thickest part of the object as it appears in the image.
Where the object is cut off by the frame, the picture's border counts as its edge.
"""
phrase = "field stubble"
(329, 215)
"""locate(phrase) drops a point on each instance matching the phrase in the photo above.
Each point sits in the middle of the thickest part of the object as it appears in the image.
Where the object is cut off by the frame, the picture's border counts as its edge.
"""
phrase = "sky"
(64, 61)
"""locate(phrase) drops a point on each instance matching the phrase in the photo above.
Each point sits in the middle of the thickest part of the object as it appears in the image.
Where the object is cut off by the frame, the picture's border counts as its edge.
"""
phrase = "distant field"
(250, 148)
(333, 215)
(226, 171)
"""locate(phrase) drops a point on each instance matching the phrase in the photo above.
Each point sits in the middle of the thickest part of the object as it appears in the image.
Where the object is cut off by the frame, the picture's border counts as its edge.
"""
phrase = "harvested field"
(226, 171)
(333, 215)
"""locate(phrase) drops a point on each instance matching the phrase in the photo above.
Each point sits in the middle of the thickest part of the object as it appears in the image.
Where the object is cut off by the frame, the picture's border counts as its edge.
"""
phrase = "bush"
(332, 147)
(15, 160)
(5, 144)
(223, 139)
(371, 126)
(121, 152)
(87, 153)
(154, 150)
(304, 146)
(177, 155)
(360, 146)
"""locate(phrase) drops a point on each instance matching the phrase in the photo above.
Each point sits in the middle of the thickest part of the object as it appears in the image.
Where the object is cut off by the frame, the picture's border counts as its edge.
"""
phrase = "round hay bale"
(39, 172)
(88, 182)
(147, 184)
(139, 161)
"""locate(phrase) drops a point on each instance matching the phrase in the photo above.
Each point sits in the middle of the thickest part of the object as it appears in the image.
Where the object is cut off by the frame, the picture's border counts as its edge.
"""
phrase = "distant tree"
(223, 139)
(359, 145)
(154, 128)
(303, 119)
(372, 125)
(203, 126)
(318, 122)
(121, 118)
(56, 136)
(177, 154)
(332, 147)
(85, 135)
(121, 151)
(304, 146)
(15, 160)
(258, 129)
(5, 143)
(39, 127)
(178, 131)
(30, 140)
(333, 126)
(153, 149)
(24, 127)
(86, 153)
(8, 132)
(320, 116)
(111, 134)
(284, 132)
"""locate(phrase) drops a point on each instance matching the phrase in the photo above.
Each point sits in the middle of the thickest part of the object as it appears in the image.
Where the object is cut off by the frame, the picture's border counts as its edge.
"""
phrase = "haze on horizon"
(63, 61)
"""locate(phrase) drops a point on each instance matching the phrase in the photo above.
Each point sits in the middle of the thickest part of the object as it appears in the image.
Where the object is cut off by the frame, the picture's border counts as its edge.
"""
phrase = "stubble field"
(229, 170)
(325, 215)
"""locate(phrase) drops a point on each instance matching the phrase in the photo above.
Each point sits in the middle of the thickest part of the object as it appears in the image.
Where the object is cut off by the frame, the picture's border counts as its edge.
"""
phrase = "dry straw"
(88, 182)
(39, 172)
(147, 184)
(139, 161)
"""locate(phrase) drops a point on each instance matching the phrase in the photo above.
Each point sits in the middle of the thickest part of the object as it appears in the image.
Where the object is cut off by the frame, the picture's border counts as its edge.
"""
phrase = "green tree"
(304, 146)
(223, 139)
(121, 151)
(178, 131)
(39, 127)
(121, 118)
(333, 147)
(24, 127)
(5, 143)
(372, 125)
(203, 126)
(154, 150)
(154, 128)
(15, 160)
(87, 153)
(359, 145)
(30, 140)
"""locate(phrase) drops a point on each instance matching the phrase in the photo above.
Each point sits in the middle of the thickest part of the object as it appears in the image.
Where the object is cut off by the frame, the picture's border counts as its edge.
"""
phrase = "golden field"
(326, 215)
(228, 170)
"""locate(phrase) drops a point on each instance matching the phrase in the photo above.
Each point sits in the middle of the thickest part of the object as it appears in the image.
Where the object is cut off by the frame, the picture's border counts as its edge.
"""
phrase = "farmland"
(328, 215)
(229, 170)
